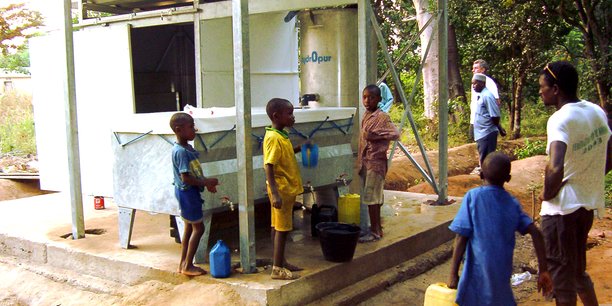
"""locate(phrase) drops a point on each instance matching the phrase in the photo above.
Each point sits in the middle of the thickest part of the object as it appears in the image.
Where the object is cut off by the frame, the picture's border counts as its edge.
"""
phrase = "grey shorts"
(373, 185)
(565, 237)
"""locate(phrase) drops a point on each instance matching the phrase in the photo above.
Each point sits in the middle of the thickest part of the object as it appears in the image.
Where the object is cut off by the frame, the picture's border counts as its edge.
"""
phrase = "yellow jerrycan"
(439, 294)
(348, 208)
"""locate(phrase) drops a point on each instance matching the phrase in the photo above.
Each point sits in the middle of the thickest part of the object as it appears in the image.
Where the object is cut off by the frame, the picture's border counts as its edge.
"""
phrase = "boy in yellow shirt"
(283, 181)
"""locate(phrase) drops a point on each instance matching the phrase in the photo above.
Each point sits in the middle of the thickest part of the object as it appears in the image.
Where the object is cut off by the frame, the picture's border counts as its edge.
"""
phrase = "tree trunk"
(600, 83)
(589, 26)
(593, 37)
(455, 84)
(511, 107)
(430, 68)
(517, 101)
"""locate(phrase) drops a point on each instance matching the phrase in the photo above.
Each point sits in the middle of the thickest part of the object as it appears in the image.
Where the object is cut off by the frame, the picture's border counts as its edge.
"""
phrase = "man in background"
(481, 66)
(486, 119)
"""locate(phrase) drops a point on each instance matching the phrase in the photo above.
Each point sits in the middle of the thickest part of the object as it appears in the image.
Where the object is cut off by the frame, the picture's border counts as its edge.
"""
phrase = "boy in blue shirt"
(189, 181)
(485, 226)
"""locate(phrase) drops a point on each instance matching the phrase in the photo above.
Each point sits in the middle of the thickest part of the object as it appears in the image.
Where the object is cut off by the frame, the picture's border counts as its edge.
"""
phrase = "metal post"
(197, 38)
(82, 14)
(443, 101)
(72, 139)
(398, 84)
(367, 75)
(242, 98)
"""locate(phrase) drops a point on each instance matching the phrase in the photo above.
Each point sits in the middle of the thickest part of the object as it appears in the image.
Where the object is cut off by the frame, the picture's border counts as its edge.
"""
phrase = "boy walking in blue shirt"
(485, 226)
(189, 181)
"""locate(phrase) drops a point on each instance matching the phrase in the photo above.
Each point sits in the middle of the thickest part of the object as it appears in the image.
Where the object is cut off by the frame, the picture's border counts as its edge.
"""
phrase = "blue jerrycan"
(310, 155)
(220, 260)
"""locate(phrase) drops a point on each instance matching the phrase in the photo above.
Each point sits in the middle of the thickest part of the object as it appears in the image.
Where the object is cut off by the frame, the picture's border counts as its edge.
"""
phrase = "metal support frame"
(72, 138)
(197, 37)
(133, 140)
(367, 75)
(407, 113)
(242, 98)
(81, 12)
(126, 224)
(202, 251)
(443, 100)
(165, 139)
(405, 50)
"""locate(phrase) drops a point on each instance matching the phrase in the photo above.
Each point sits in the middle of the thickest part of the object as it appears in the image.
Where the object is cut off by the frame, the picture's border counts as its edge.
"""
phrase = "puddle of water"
(398, 206)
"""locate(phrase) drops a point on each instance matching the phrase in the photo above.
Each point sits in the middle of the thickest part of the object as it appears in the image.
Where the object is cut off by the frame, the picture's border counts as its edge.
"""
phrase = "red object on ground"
(99, 202)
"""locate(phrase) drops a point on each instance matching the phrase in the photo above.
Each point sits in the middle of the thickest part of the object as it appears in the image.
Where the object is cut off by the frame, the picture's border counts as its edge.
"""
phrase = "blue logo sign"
(314, 57)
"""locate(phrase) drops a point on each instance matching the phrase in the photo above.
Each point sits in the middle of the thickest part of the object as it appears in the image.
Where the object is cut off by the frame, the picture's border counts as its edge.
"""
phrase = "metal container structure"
(328, 55)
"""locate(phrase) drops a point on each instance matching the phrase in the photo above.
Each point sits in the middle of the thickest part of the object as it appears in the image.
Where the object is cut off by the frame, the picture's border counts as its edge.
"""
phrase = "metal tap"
(309, 187)
(342, 178)
(225, 200)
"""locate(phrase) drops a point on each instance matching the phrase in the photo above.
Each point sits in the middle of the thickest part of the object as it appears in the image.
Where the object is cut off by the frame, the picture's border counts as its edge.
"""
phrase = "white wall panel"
(104, 88)
(48, 62)
(274, 66)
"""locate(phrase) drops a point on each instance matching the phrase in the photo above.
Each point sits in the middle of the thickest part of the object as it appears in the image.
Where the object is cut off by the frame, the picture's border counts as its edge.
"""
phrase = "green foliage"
(16, 124)
(530, 148)
(18, 62)
(535, 116)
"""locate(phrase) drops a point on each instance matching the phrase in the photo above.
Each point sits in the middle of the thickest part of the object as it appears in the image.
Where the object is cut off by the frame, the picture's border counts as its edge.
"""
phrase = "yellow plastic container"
(439, 294)
(348, 208)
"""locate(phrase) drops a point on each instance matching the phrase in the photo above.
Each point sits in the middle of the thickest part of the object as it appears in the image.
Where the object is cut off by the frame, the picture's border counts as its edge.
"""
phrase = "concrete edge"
(375, 284)
(310, 288)
(19, 247)
(97, 266)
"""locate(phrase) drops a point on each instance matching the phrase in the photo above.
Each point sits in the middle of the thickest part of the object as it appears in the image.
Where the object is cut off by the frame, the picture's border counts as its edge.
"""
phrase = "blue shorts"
(190, 203)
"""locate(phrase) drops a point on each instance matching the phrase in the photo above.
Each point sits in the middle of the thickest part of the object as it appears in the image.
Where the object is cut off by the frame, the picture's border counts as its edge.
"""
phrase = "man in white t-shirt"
(480, 66)
(579, 148)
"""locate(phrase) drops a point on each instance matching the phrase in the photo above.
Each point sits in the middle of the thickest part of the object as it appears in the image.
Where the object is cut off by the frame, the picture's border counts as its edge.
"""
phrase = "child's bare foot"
(192, 271)
(200, 269)
(283, 273)
(292, 268)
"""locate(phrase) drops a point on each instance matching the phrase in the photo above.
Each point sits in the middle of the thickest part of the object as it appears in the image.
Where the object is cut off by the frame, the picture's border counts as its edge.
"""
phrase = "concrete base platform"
(33, 229)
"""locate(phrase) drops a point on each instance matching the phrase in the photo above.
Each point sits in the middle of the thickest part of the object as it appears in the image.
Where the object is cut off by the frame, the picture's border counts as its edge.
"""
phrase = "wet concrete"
(32, 229)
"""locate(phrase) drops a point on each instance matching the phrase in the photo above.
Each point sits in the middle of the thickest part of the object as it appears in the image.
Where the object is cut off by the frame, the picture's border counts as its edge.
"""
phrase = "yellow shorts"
(282, 219)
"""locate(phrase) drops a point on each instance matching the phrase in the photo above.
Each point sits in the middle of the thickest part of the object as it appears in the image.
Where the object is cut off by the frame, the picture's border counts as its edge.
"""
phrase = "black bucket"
(323, 213)
(338, 240)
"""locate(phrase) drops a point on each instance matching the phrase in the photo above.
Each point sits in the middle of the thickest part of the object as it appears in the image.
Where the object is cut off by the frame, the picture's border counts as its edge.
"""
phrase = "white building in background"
(10, 81)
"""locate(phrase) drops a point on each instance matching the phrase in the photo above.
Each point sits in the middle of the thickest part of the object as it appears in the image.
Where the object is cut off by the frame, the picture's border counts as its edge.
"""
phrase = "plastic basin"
(338, 240)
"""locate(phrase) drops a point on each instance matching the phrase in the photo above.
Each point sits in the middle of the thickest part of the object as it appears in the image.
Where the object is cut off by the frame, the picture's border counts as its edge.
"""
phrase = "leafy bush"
(534, 118)
(17, 124)
(530, 148)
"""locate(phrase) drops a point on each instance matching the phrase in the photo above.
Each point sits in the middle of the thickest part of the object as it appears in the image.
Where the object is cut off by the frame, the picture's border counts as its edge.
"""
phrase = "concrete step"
(411, 229)
(379, 282)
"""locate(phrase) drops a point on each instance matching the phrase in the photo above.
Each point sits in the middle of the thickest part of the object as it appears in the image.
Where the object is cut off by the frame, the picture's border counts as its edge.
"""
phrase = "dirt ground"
(525, 185)
(527, 179)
